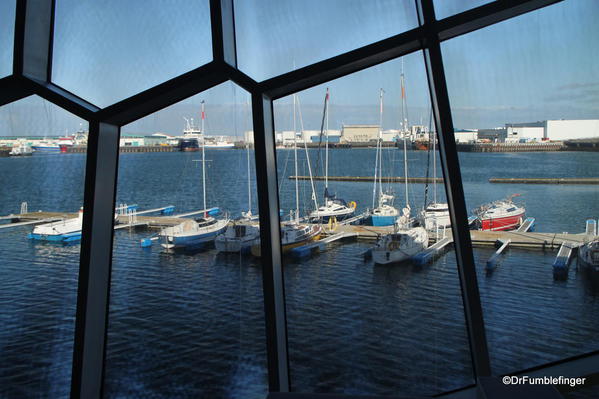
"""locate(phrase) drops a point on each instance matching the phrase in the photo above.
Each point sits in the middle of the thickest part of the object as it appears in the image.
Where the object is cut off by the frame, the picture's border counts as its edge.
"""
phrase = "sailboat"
(384, 214)
(294, 233)
(195, 233)
(588, 255)
(242, 234)
(436, 214)
(333, 206)
(408, 237)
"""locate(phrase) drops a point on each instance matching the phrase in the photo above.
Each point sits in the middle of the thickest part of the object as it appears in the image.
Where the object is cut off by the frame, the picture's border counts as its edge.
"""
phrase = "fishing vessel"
(333, 207)
(500, 215)
(241, 235)
(200, 231)
(293, 232)
(436, 214)
(67, 230)
(21, 148)
(588, 255)
(46, 146)
(192, 135)
(383, 212)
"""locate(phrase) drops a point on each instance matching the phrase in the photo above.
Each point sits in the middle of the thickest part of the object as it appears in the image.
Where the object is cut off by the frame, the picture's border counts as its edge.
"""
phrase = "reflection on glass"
(7, 31)
(519, 113)
(186, 311)
(364, 317)
(446, 8)
(134, 48)
(42, 163)
(292, 34)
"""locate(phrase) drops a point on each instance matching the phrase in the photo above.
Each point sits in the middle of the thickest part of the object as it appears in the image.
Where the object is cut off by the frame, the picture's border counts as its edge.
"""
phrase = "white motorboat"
(67, 230)
(500, 215)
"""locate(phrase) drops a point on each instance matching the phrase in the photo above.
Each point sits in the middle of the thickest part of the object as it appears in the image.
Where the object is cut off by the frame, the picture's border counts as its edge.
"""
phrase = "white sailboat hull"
(400, 246)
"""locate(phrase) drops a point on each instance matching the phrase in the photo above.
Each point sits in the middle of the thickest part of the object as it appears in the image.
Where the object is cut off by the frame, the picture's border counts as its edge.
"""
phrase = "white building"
(571, 129)
(557, 130)
(466, 135)
(520, 132)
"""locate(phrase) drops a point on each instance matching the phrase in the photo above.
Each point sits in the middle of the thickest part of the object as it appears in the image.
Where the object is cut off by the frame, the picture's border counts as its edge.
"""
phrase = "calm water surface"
(192, 324)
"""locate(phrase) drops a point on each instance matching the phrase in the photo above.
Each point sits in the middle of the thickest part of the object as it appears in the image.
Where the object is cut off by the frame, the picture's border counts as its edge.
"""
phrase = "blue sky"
(543, 65)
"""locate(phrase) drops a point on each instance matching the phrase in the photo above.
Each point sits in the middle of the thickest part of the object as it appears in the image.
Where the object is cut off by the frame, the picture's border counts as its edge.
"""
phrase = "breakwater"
(563, 180)
(511, 147)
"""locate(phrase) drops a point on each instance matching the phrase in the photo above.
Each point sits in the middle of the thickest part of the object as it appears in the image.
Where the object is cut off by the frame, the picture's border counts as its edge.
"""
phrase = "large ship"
(192, 136)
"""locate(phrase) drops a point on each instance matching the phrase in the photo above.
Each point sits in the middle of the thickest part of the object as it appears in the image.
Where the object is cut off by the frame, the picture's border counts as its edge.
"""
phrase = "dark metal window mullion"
(454, 191)
(96, 260)
(272, 268)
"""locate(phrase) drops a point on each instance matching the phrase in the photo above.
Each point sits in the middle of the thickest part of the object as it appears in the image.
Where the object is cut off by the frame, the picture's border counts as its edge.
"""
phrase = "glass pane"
(42, 164)
(186, 317)
(355, 326)
(292, 34)
(528, 110)
(447, 8)
(137, 45)
(7, 32)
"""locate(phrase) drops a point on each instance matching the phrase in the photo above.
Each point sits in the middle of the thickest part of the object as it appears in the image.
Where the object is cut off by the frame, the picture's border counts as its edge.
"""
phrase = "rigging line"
(428, 161)
(324, 112)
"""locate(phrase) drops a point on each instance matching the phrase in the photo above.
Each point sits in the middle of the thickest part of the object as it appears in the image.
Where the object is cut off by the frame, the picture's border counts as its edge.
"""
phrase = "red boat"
(500, 215)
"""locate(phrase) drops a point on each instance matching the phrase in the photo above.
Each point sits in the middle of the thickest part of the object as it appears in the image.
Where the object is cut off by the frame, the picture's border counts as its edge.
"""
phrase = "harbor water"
(191, 324)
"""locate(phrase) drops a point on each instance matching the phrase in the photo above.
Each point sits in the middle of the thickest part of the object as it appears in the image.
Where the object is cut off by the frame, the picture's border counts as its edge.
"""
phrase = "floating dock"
(563, 258)
(433, 251)
(392, 179)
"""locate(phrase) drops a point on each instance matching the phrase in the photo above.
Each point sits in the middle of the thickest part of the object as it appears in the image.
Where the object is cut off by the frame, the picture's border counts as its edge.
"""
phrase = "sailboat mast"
(295, 160)
(249, 180)
(405, 129)
(326, 153)
(203, 158)
(381, 147)
(434, 169)
(299, 108)
(376, 160)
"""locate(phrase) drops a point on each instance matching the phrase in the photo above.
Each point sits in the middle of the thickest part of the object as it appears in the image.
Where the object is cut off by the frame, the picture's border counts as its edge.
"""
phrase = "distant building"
(557, 130)
(519, 132)
(465, 135)
(563, 129)
(359, 133)
(496, 135)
